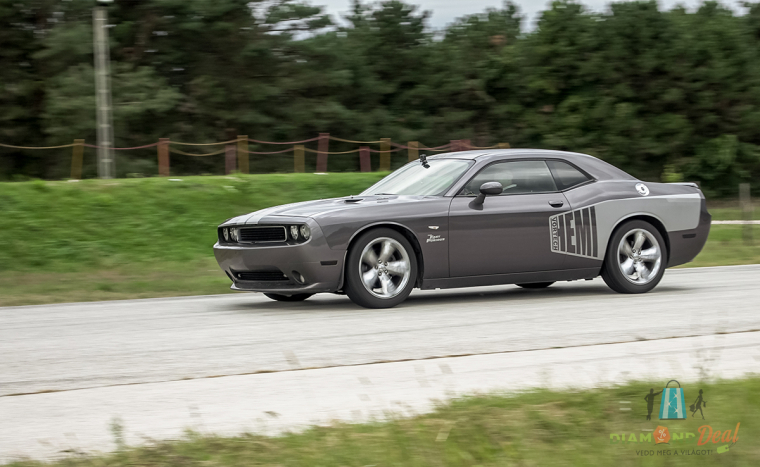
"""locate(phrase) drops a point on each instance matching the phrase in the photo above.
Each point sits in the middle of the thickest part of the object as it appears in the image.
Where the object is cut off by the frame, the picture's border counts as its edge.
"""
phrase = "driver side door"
(508, 233)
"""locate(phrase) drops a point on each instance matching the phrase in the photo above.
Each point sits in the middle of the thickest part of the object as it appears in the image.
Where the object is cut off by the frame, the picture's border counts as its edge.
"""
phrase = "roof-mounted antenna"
(423, 161)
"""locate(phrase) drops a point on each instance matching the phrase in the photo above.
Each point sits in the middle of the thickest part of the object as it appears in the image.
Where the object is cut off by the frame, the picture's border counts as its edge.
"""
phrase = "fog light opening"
(298, 277)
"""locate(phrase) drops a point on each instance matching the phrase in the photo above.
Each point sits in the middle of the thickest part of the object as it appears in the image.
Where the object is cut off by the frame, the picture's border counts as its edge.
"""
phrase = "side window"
(516, 177)
(566, 175)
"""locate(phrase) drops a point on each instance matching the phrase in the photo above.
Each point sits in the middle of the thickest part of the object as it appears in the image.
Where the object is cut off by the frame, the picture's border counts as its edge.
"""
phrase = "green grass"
(730, 210)
(152, 237)
(121, 282)
(726, 246)
(134, 238)
(63, 226)
(537, 428)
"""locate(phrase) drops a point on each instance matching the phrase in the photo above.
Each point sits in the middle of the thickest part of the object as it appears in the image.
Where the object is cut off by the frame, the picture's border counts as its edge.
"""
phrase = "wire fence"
(236, 152)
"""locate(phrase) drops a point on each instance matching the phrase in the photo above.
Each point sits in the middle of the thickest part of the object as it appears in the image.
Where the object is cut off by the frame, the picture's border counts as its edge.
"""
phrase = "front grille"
(263, 234)
(262, 276)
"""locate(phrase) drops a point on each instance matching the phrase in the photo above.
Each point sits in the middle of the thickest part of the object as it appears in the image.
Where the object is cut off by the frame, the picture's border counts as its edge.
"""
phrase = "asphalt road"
(219, 364)
(90, 345)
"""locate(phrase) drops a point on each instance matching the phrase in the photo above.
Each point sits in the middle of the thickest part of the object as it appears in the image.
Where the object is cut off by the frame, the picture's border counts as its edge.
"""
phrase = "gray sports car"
(473, 218)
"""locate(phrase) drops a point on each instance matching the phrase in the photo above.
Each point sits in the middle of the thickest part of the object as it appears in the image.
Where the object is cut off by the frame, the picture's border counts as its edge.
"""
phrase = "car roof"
(594, 166)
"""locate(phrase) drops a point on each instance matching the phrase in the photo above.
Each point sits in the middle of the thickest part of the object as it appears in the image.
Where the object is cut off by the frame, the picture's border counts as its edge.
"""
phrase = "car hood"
(315, 209)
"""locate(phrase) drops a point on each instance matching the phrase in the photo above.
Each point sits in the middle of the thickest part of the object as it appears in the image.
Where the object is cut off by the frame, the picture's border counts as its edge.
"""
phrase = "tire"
(635, 268)
(299, 297)
(388, 286)
(535, 285)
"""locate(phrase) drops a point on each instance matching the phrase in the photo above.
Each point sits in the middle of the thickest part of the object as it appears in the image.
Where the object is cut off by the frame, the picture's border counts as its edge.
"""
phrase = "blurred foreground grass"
(152, 237)
(537, 428)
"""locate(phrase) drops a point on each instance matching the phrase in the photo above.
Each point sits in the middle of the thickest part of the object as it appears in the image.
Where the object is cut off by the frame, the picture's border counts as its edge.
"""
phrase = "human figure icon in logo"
(650, 402)
(697, 405)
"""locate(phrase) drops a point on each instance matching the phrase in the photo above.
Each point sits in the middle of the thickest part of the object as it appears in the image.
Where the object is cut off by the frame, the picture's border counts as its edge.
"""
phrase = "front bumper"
(320, 267)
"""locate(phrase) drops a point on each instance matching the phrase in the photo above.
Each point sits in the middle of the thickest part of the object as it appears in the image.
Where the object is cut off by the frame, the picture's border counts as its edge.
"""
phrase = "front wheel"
(299, 297)
(381, 269)
(636, 258)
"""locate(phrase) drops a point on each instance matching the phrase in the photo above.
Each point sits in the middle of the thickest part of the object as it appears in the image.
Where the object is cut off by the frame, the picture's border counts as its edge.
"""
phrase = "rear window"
(566, 175)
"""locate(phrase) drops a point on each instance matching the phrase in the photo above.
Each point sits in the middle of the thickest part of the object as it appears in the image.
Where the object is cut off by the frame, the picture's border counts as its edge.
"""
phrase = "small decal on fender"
(434, 238)
(642, 189)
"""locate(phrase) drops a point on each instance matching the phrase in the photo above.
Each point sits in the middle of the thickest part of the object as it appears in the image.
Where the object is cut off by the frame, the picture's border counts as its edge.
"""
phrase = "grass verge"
(568, 428)
(140, 238)
(134, 238)
(730, 210)
(726, 247)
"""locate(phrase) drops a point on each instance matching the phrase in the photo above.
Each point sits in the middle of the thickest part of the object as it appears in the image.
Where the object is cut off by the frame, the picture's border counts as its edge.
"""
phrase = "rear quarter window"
(566, 176)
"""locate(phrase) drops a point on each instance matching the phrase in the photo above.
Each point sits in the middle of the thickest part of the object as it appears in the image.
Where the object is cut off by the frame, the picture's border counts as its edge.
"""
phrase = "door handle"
(556, 204)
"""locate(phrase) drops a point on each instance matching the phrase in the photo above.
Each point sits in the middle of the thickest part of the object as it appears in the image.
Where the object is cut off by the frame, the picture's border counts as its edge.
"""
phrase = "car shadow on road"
(516, 295)
(510, 294)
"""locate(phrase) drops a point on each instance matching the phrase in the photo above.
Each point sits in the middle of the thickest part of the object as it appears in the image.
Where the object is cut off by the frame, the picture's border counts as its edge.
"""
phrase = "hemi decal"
(575, 233)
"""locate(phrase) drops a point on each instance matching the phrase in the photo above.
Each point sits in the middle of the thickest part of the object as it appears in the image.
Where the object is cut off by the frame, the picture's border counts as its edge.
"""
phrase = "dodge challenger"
(472, 218)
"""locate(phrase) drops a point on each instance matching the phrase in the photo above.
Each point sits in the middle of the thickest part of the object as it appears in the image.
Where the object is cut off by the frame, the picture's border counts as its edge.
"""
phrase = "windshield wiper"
(392, 194)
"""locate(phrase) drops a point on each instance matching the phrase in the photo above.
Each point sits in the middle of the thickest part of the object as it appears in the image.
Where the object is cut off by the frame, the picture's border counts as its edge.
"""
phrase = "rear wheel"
(381, 269)
(299, 297)
(535, 285)
(636, 258)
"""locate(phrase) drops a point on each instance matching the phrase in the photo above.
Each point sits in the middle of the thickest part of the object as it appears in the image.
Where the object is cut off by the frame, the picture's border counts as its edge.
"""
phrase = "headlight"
(305, 232)
(226, 234)
(234, 234)
(294, 232)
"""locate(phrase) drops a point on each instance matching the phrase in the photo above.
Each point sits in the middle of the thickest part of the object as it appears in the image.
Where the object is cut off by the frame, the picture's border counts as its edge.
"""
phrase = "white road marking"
(736, 222)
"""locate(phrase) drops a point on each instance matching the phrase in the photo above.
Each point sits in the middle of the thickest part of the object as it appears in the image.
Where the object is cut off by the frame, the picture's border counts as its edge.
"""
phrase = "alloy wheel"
(639, 256)
(385, 267)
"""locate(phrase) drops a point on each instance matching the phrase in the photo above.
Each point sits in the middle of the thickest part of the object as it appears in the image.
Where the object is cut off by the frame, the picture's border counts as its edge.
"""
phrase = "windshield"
(414, 179)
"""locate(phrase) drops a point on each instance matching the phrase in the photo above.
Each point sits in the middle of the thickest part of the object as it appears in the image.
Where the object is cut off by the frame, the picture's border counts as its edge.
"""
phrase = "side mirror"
(491, 188)
(487, 189)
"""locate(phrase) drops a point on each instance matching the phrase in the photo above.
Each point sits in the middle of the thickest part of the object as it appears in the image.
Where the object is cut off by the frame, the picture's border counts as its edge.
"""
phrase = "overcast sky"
(445, 11)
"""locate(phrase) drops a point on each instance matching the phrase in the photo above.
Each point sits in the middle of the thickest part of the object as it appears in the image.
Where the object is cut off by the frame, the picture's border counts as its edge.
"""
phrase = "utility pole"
(103, 89)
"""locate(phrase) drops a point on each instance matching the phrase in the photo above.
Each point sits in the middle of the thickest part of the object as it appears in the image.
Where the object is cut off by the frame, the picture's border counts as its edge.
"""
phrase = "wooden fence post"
(299, 164)
(76, 159)
(503, 145)
(163, 157)
(745, 201)
(385, 155)
(455, 145)
(242, 153)
(364, 160)
(413, 151)
(229, 158)
(466, 145)
(322, 150)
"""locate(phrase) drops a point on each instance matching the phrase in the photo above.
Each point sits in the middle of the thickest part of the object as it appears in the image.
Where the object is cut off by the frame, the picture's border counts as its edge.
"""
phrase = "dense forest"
(666, 95)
